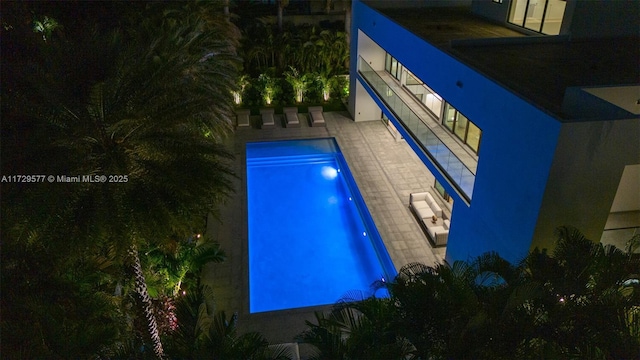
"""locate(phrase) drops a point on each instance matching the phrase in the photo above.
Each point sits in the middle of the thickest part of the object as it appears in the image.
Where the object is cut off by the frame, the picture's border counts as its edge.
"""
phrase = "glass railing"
(442, 156)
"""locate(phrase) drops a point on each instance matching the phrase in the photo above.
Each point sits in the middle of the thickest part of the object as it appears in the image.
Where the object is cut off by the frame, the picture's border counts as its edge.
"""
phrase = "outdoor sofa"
(429, 215)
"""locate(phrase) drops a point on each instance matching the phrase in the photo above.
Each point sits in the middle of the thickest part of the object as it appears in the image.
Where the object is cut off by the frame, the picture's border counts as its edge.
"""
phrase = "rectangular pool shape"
(311, 237)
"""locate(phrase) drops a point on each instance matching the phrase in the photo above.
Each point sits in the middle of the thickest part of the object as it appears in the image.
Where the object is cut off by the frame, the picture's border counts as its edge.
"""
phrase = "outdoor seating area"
(270, 117)
(430, 216)
(316, 116)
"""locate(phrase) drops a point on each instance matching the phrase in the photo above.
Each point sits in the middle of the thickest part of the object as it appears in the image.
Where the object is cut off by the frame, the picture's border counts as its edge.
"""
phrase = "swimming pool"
(311, 237)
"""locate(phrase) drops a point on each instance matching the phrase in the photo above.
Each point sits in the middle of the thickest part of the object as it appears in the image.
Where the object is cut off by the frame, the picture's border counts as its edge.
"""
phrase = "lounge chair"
(242, 118)
(291, 117)
(315, 116)
(268, 120)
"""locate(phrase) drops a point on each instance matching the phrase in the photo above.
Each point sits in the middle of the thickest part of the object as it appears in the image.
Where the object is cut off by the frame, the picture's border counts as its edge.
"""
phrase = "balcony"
(445, 151)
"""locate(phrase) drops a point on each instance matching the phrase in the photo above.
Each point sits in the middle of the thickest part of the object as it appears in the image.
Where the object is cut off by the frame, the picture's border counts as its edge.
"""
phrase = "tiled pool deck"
(386, 172)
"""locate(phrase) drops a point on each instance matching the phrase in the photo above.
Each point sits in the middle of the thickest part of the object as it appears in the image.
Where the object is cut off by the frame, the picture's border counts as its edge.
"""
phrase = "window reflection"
(387, 63)
(464, 129)
(473, 137)
(543, 16)
(553, 17)
(460, 128)
(423, 93)
(443, 193)
(535, 11)
(451, 118)
(412, 80)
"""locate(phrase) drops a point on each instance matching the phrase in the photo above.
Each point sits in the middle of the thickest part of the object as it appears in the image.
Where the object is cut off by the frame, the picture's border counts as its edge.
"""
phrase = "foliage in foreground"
(580, 302)
(203, 333)
(146, 106)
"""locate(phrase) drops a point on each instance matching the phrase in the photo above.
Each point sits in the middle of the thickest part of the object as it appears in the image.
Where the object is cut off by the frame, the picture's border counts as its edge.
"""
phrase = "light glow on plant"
(45, 26)
(269, 88)
(298, 82)
(242, 83)
(268, 94)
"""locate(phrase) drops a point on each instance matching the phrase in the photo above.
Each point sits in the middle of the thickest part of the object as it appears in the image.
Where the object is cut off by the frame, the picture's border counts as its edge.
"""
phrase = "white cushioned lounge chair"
(268, 120)
(291, 117)
(316, 116)
(242, 117)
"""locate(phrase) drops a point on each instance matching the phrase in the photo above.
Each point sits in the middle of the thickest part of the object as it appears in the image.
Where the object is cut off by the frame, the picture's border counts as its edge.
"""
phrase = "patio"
(386, 171)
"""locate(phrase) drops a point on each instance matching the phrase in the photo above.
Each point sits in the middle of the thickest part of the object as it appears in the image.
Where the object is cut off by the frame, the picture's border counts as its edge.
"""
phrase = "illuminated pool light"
(329, 173)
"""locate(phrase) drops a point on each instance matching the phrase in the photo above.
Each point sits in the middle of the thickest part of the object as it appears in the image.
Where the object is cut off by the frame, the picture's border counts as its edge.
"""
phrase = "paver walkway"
(386, 172)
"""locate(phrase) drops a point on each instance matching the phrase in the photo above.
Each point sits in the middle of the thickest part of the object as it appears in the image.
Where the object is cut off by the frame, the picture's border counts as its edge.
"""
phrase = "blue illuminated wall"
(518, 139)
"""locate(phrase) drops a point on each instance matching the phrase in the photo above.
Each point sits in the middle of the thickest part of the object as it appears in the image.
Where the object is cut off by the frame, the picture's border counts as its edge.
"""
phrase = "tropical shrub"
(152, 114)
(269, 88)
(299, 83)
(581, 301)
(242, 84)
(203, 333)
(306, 48)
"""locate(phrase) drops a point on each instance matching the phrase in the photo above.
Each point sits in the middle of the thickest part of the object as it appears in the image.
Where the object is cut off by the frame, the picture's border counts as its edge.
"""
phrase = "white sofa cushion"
(317, 118)
(433, 205)
(417, 197)
(424, 212)
(420, 201)
(433, 230)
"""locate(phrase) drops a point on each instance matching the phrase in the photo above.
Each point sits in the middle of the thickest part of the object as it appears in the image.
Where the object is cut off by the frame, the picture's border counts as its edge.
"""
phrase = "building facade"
(526, 114)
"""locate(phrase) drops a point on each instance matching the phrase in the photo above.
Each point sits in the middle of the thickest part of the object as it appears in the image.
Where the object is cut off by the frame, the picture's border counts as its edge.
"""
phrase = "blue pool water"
(311, 237)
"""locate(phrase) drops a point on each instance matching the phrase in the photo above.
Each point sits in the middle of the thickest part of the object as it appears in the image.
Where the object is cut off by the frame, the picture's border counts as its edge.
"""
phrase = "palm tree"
(269, 87)
(151, 120)
(177, 264)
(583, 301)
(333, 52)
(358, 328)
(226, 7)
(590, 298)
(299, 83)
(49, 300)
(281, 5)
(326, 84)
(347, 22)
(434, 305)
(203, 333)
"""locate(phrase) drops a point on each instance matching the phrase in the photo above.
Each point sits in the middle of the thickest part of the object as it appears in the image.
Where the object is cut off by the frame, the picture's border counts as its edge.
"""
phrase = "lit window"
(464, 129)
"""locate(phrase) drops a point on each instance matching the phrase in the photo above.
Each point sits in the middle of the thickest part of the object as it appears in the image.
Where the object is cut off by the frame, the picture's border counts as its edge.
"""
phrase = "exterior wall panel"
(518, 143)
(585, 176)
